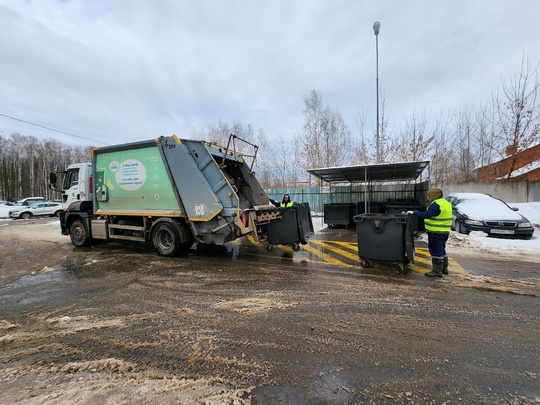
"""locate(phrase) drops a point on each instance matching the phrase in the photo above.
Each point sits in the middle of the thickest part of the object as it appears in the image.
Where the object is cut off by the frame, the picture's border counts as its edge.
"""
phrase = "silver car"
(46, 208)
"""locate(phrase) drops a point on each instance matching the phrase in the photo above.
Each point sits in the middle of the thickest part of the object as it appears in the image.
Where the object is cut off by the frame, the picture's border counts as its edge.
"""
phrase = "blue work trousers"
(437, 244)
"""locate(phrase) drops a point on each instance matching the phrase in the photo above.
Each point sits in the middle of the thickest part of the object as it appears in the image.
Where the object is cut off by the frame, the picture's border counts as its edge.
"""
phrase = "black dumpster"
(294, 228)
(372, 207)
(339, 214)
(385, 239)
(400, 205)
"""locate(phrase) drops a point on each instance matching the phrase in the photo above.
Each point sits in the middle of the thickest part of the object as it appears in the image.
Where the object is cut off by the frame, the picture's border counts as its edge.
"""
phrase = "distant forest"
(25, 164)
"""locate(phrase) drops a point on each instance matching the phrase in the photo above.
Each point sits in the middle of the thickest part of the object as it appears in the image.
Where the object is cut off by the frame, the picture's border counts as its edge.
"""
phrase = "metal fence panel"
(317, 197)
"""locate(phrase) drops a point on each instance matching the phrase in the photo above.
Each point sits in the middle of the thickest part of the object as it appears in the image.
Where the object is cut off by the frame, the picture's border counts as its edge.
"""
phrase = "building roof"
(371, 173)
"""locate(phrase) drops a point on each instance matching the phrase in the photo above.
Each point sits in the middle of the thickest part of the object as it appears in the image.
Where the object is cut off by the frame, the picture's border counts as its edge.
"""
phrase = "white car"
(30, 200)
(38, 209)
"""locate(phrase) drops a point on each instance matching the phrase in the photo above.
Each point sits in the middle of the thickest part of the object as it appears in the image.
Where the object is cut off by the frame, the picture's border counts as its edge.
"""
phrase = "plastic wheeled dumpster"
(385, 239)
(339, 214)
(293, 229)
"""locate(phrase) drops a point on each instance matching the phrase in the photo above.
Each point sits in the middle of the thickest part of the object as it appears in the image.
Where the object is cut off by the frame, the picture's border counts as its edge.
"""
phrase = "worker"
(438, 222)
(286, 202)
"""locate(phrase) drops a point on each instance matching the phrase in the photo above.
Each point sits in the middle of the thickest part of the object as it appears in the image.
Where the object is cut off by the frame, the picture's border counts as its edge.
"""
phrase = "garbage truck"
(173, 192)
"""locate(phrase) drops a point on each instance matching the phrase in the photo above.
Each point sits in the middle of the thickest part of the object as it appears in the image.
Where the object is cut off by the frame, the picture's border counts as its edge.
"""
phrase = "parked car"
(482, 212)
(38, 209)
(29, 201)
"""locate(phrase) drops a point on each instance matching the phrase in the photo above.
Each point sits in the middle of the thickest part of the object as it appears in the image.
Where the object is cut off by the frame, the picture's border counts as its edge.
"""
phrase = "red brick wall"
(500, 169)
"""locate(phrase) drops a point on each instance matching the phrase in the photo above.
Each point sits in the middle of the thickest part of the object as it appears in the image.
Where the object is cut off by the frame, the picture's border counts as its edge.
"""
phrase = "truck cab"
(77, 184)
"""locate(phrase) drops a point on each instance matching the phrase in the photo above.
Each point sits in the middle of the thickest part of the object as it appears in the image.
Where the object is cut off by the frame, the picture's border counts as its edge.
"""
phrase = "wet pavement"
(307, 327)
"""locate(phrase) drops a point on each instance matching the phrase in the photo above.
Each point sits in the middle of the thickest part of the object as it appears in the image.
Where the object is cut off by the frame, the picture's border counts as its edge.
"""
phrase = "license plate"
(502, 231)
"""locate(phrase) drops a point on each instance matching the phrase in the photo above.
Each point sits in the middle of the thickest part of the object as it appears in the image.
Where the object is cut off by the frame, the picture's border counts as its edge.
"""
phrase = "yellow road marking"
(258, 245)
(284, 249)
(327, 249)
(326, 257)
(329, 245)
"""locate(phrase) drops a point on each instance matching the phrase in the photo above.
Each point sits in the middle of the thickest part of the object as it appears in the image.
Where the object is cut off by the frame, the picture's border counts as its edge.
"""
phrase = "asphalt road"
(281, 327)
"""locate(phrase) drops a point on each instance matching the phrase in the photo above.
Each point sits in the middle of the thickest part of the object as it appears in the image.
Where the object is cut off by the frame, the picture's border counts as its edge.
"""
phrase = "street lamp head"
(376, 27)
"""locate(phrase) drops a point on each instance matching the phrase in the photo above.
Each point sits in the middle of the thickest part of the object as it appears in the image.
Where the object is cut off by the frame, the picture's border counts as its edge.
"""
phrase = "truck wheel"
(166, 239)
(78, 235)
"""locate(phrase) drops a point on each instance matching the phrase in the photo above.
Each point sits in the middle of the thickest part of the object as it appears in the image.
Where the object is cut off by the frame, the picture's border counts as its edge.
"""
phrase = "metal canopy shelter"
(371, 173)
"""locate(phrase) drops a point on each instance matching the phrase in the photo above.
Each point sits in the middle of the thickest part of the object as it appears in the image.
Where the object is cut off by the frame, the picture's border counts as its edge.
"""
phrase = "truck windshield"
(71, 179)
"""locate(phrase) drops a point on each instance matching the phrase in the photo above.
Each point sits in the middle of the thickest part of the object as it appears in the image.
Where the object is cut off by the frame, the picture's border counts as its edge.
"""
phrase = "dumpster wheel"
(296, 247)
(364, 262)
(269, 248)
(403, 269)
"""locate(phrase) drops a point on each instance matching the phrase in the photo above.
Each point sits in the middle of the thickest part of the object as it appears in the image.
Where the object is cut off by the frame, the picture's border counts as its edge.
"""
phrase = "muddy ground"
(118, 324)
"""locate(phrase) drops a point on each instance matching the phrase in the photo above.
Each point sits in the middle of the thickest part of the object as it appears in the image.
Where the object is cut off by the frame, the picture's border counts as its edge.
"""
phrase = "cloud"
(119, 71)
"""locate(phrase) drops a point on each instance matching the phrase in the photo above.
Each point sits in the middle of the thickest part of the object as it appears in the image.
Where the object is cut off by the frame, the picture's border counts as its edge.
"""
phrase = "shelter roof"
(387, 172)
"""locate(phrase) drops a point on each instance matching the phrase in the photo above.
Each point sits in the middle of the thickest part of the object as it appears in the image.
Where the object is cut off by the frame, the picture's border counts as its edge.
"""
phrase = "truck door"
(73, 188)
(70, 187)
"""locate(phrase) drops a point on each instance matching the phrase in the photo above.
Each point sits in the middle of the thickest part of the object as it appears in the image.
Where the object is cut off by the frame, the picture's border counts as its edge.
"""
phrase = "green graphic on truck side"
(134, 181)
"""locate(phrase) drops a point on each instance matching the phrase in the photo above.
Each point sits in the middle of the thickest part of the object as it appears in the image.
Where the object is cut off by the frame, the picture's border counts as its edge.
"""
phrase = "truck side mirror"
(52, 180)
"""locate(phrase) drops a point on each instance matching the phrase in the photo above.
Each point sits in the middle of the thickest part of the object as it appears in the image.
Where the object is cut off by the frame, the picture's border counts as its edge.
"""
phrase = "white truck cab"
(77, 184)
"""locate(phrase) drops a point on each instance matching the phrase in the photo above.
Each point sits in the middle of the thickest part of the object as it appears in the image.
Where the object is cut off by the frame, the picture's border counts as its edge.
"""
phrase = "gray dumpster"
(293, 229)
(386, 239)
(339, 214)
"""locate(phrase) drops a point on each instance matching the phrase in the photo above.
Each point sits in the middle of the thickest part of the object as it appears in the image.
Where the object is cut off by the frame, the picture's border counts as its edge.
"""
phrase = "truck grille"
(501, 224)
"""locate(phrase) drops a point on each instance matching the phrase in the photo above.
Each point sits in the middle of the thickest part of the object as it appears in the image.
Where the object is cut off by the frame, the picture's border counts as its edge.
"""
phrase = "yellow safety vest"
(441, 223)
(287, 205)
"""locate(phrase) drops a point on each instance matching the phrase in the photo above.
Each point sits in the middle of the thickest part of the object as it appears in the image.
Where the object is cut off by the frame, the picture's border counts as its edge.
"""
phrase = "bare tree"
(313, 130)
(442, 160)
(485, 136)
(465, 141)
(361, 150)
(280, 160)
(326, 139)
(517, 111)
(415, 141)
(387, 145)
(366, 150)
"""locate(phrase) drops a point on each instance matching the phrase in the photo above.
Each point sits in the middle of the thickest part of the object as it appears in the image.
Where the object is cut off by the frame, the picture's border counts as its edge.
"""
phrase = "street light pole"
(376, 27)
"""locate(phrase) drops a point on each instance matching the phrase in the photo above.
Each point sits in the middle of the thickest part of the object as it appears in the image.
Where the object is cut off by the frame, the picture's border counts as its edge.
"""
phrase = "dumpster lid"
(370, 173)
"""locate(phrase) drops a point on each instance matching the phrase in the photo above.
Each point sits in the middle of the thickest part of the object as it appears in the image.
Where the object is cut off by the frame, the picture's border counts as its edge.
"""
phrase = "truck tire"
(77, 233)
(165, 239)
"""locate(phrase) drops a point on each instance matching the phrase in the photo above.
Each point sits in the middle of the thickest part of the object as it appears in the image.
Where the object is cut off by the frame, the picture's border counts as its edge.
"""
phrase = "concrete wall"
(511, 192)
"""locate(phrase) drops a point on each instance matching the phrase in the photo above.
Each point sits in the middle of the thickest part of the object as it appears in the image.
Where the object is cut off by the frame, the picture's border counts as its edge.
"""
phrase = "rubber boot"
(437, 268)
(445, 265)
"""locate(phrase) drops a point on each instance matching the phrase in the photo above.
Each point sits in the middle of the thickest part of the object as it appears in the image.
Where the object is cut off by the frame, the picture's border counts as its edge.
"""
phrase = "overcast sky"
(126, 70)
